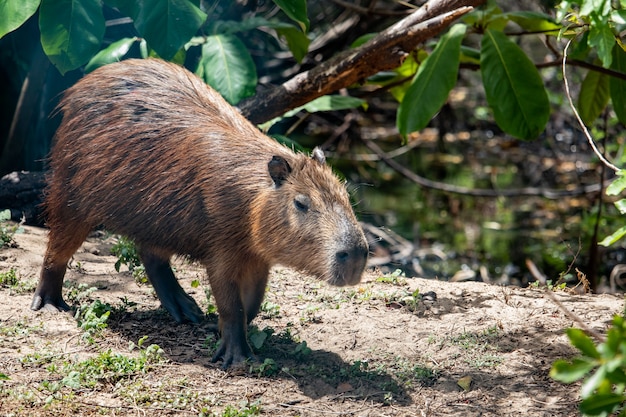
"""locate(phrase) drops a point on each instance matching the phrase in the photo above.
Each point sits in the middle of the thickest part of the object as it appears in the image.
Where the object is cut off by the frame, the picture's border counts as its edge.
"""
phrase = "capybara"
(149, 151)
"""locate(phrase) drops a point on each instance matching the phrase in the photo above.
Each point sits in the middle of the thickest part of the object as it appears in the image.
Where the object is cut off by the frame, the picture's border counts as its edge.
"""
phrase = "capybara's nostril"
(342, 256)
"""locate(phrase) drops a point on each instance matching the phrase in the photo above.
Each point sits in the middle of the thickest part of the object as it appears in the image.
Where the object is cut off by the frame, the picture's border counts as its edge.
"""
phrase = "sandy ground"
(376, 349)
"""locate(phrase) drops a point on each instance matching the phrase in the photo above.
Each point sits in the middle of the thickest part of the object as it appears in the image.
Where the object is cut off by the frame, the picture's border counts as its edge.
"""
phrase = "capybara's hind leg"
(175, 300)
(61, 246)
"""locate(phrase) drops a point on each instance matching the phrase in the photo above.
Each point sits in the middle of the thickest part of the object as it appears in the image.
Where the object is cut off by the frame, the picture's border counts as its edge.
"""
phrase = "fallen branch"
(385, 51)
(479, 192)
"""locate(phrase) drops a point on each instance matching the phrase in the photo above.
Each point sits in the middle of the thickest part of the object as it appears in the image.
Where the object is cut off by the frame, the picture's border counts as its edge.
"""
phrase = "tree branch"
(479, 192)
(385, 51)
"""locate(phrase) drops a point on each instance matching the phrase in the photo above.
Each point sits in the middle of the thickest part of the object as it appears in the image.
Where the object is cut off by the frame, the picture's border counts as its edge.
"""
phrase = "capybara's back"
(149, 151)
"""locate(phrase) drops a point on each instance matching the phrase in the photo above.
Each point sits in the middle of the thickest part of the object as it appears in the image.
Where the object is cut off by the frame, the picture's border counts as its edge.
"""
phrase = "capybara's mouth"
(348, 265)
(347, 274)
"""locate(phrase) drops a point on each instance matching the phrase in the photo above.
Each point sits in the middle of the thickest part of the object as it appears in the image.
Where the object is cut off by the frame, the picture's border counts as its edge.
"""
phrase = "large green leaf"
(601, 404)
(593, 97)
(534, 21)
(112, 53)
(296, 10)
(602, 38)
(323, 103)
(617, 86)
(582, 342)
(166, 24)
(71, 31)
(13, 13)
(566, 372)
(227, 66)
(297, 41)
(513, 87)
(432, 83)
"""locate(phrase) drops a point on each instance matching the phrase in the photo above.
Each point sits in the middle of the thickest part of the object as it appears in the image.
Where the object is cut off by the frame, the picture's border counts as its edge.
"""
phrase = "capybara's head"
(306, 221)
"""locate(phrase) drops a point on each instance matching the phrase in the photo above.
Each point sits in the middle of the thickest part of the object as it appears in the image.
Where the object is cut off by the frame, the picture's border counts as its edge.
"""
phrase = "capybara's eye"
(302, 202)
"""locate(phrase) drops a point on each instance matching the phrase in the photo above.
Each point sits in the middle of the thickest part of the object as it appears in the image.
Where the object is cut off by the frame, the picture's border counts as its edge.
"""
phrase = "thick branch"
(384, 52)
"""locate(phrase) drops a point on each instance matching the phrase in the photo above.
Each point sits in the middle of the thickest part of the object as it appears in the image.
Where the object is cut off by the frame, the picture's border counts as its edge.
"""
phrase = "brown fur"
(149, 151)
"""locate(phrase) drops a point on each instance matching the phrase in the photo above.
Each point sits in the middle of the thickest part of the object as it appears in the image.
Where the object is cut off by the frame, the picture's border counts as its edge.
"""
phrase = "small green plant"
(9, 278)
(302, 351)
(127, 254)
(211, 307)
(603, 368)
(267, 368)
(552, 286)
(270, 310)
(480, 351)
(7, 230)
(79, 293)
(409, 300)
(247, 410)
(109, 367)
(397, 277)
(259, 337)
(92, 319)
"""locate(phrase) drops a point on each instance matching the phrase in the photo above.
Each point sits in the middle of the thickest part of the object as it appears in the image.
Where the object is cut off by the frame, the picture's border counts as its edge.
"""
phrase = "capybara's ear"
(279, 170)
(318, 155)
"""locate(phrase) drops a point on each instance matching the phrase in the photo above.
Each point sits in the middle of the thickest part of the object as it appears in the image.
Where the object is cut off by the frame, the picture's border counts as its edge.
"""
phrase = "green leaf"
(227, 66)
(323, 103)
(596, 380)
(14, 13)
(602, 38)
(434, 79)
(617, 86)
(618, 184)
(621, 205)
(296, 10)
(5, 215)
(297, 41)
(567, 373)
(601, 404)
(534, 21)
(613, 237)
(513, 87)
(166, 24)
(330, 102)
(112, 53)
(593, 97)
(71, 31)
(583, 343)
(257, 339)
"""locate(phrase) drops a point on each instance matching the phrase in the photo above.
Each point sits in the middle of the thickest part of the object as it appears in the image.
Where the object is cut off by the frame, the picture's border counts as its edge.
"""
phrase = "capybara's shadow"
(318, 373)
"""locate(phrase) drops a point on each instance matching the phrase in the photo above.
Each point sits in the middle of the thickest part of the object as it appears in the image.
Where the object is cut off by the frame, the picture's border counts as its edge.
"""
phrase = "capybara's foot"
(182, 307)
(41, 302)
(232, 354)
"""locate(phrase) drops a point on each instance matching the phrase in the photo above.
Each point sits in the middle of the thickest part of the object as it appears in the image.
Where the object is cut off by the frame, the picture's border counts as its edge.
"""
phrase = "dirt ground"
(377, 349)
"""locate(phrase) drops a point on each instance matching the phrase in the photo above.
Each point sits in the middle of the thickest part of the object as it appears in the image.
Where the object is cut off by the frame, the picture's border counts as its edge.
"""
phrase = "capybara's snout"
(350, 260)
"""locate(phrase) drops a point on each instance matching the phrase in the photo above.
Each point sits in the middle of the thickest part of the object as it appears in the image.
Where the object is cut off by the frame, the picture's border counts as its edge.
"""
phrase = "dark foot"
(182, 307)
(41, 302)
(232, 354)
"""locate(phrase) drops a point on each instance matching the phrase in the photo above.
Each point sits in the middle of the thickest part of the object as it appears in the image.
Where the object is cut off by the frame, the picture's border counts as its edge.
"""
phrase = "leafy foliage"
(513, 86)
(72, 33)
(432, 83)
(603, 368)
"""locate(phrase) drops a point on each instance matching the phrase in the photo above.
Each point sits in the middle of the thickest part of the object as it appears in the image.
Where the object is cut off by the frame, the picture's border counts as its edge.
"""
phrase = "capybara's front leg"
(175, 300)
(48, 295)
(233, 347)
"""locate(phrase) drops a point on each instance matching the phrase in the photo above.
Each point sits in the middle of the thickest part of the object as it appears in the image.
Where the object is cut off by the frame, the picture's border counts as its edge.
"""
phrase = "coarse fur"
(149, 151)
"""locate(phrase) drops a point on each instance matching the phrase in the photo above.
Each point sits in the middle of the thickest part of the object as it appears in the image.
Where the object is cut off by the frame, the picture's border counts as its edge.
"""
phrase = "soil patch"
(387, 347)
